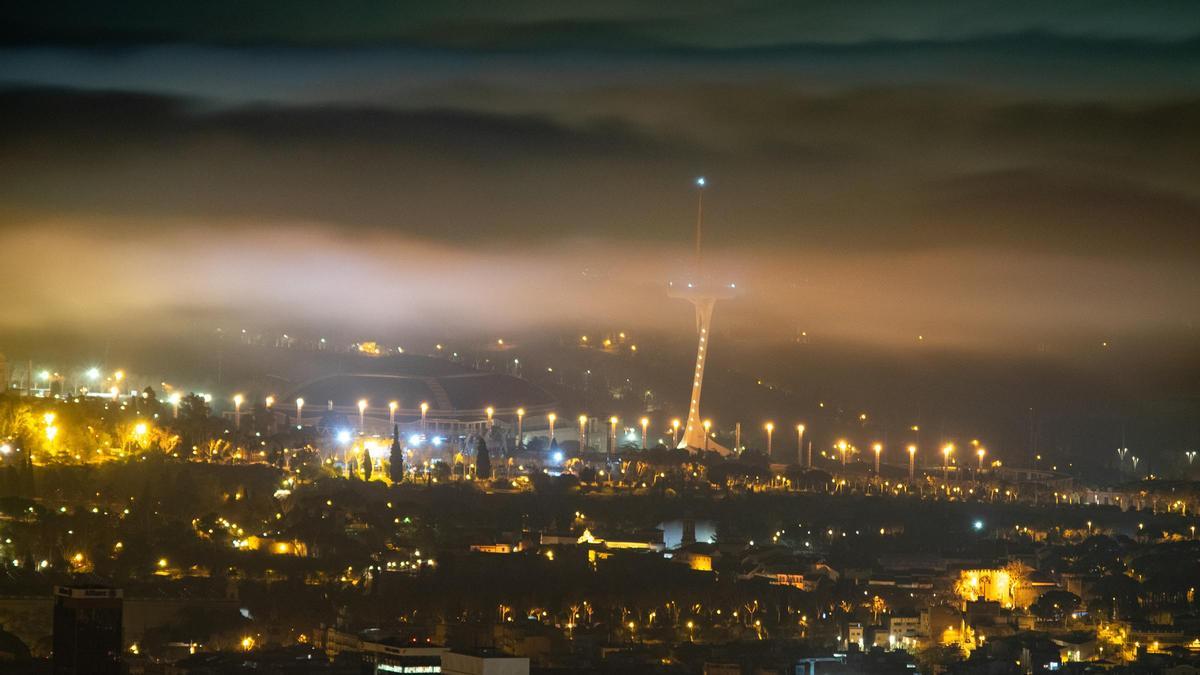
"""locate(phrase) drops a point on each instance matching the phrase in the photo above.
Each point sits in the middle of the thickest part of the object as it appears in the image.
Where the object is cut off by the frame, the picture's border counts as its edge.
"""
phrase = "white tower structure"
(703, 294)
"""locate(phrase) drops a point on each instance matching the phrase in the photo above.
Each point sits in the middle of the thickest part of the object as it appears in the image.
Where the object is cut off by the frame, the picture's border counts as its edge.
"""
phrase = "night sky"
(1003, 179)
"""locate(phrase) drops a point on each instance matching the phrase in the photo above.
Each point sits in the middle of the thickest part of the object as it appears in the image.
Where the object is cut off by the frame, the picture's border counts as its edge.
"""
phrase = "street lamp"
(842, 448)
(675, 432)
(299, 412)
(520, 424)
(800, 445)
(912, 462)
(237, 410)
(362, 410)
(175, 398)
(551, 417)
(270, 401)
(878, 448)
(946, 450)
(980, 453)
(582, 432)
(490, 412)
(612, 438)
(707, 426)
(424, 409)
(1191, 455)
(770, 427)
(392, 405)
(645, 423)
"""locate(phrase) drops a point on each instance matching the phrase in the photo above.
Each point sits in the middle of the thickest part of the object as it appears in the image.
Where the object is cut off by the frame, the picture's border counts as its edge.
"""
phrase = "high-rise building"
(87, 630)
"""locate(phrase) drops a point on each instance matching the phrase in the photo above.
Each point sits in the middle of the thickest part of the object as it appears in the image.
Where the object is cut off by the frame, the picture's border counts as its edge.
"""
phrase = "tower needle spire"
(700, 183)
(703, 295)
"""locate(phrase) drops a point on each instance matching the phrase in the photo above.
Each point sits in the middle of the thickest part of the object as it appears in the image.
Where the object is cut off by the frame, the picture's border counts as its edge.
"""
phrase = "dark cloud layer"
(880, 169)
(992, 176)
(620, 23)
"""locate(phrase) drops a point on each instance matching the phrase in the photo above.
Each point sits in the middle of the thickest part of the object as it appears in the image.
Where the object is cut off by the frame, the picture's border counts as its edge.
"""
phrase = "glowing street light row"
(842, 446)
(363, 405)
(947, 451)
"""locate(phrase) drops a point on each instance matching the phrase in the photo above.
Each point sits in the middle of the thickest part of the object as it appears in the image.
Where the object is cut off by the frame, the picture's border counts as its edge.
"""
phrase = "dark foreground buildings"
(87, 630)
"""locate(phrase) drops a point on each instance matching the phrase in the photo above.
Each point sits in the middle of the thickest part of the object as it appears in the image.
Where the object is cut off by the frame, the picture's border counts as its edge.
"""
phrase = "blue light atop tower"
(701, 182)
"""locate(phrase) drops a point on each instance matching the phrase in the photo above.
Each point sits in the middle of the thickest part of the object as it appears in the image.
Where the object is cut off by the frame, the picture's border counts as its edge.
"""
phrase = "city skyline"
(542, 337)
